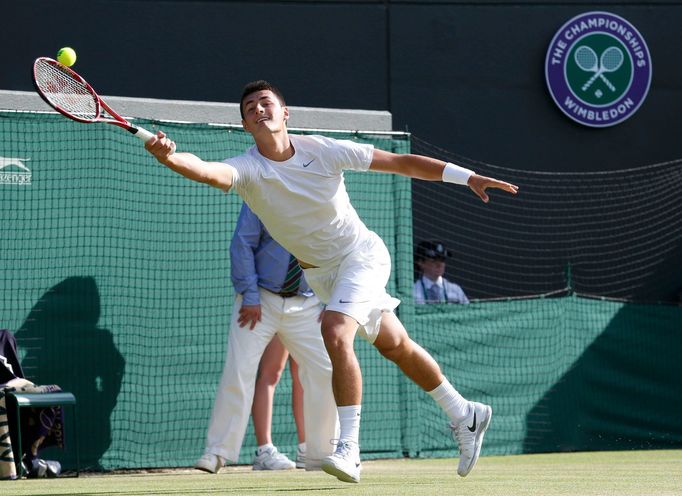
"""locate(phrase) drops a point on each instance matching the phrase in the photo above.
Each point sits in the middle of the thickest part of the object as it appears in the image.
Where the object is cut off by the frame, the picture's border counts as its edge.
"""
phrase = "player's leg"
(469, 420)
(234, 395)
(416, 363)
(297, 410)
(356, 296)
(300, 333)
(270, 369)
(338, 332)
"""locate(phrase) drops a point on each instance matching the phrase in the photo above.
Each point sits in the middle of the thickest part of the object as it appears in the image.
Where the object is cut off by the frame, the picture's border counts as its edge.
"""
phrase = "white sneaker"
(300, 457)
(210, 463)
(344, 463)
(469, 434)
(271, 459)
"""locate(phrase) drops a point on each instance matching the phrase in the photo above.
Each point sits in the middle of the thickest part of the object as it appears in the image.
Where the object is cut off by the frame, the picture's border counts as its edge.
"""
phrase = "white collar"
(428, 282)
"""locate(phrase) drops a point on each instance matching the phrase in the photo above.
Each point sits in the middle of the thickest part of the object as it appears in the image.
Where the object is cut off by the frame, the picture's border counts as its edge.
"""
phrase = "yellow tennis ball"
(66, 56)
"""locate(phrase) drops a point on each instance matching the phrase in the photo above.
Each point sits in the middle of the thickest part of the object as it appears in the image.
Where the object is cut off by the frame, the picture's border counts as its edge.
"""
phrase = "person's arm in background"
(458, 295)
(245, 241)
(418, 292)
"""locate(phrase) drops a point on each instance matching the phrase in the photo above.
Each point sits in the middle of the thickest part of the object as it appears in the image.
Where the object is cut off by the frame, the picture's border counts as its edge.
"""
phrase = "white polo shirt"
(303, 201)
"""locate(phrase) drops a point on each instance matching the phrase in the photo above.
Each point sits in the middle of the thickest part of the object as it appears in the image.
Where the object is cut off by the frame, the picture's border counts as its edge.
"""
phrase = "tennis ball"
(66, 56)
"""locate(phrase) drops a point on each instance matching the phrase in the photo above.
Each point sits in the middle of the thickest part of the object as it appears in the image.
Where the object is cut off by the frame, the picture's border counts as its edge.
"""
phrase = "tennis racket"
(586, 59)
(610, 61)
(69, 94)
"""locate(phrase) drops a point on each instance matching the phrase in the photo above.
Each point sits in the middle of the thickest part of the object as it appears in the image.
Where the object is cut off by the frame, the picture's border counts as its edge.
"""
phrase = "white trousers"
(295, 321)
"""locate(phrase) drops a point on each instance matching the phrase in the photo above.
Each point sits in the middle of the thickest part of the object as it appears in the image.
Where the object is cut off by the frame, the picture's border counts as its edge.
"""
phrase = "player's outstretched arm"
(414, 166)
(189, 165)
(431, 169)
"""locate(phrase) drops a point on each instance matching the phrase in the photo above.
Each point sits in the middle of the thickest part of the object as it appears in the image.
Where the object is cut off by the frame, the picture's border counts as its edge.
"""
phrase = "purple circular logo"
(598, 69)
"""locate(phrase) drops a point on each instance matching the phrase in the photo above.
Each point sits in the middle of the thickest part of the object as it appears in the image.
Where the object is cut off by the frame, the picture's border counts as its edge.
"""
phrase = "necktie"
(293, 278)
(434, 294)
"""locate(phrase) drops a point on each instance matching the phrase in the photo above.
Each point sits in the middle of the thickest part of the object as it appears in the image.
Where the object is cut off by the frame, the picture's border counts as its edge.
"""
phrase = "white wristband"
(456, 174)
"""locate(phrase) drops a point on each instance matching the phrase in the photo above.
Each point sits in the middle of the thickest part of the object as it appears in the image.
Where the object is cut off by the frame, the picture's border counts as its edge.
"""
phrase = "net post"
(569, 279)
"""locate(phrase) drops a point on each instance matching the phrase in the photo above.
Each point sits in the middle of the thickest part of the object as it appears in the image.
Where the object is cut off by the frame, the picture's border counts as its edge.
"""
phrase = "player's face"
(432, 268)
(264, 113)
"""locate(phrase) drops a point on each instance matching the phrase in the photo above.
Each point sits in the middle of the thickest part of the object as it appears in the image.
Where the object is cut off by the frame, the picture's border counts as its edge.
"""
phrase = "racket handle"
(145, 135)
(142, 133)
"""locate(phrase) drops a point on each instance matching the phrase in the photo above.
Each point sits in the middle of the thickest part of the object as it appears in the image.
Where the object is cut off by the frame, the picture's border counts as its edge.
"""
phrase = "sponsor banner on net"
(598, 69)
(13, 170)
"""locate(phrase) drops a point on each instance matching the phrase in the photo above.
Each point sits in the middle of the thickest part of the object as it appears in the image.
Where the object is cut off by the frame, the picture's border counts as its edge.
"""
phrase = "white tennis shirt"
(303, 201)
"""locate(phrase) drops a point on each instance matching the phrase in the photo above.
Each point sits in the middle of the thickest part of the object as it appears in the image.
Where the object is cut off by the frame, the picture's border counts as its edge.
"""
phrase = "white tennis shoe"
(210, 463)
(271, 459)
(344, 463)
(469, 435)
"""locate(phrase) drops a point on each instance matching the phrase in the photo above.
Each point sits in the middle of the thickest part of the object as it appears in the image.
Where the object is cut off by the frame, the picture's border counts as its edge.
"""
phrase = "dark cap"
(432, 249)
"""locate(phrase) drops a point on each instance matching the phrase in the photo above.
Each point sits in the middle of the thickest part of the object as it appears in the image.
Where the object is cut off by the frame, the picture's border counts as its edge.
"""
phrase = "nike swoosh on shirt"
(306, 165)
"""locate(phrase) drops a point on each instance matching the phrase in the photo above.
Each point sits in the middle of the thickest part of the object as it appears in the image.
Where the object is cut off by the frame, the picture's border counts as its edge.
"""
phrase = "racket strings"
(64, 91)
(612, 59)
(586, 58)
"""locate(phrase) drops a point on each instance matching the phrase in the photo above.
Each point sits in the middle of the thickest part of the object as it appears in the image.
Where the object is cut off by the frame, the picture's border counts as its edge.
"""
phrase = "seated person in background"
(432, 287)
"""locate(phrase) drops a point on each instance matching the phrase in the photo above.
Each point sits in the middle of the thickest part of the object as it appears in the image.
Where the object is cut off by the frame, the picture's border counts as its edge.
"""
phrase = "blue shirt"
(449, 291)
(258, 260)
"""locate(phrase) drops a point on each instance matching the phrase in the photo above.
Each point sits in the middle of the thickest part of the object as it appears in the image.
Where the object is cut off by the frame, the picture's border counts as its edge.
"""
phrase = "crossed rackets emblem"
(610, 61)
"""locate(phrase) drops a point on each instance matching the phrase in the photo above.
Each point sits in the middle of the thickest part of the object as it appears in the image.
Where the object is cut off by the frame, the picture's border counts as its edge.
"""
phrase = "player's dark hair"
(259, 85)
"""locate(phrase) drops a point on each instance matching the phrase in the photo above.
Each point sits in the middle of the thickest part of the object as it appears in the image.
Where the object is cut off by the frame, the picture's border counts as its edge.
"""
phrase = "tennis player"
(296, 187)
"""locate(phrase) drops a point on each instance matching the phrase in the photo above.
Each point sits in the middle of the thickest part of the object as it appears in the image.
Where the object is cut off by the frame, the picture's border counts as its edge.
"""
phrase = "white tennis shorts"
(356, 286)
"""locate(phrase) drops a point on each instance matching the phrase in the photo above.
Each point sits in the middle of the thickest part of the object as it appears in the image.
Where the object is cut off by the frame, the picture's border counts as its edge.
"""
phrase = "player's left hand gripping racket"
(71, 95)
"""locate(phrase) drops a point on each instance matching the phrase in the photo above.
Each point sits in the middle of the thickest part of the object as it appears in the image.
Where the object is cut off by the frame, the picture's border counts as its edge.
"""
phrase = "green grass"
(631, 473)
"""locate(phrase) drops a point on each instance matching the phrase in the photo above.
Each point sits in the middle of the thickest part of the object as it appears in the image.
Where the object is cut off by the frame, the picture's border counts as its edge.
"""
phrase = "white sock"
(265, 447)
(301, 447)
(451, 401)
(349, 421)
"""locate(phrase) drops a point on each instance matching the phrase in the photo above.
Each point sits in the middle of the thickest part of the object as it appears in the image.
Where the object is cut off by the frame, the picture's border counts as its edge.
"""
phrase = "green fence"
(562, 374)
(116, 282)
(115, 278)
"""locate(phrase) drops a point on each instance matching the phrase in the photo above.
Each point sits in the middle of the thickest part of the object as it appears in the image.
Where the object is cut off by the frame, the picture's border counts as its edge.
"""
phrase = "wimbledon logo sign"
(598, 69)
